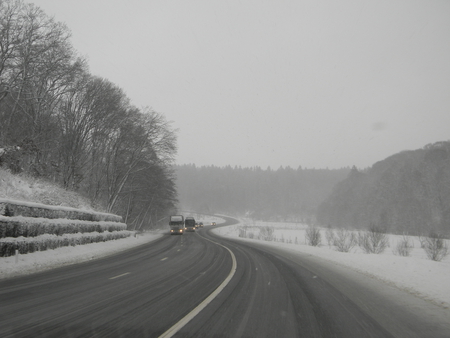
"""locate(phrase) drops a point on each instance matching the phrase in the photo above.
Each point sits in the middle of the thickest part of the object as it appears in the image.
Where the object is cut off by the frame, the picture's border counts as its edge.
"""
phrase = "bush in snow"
(329, 235)
(8, 246)
(31, 227)
(313, 236)
(403, 247)
(344, 240)
(266, 233)
(435, 246)
(373, 241)
(242, 232)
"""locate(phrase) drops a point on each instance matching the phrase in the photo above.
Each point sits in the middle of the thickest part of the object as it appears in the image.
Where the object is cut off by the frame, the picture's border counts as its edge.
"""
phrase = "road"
(146, 291)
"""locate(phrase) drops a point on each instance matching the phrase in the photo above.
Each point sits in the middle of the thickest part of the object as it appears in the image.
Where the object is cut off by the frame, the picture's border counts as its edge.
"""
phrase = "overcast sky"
(276, 83)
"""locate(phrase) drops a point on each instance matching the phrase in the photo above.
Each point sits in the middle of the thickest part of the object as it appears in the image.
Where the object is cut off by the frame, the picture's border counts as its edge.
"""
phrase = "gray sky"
(276, 83)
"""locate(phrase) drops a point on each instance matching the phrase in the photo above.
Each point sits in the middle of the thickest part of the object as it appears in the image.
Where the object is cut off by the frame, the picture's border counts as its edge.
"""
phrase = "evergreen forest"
(407, 193)
(284, 194)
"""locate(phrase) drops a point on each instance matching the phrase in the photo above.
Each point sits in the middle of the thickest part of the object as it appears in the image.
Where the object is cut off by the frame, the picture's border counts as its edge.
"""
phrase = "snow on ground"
(416, 274)
(49, 259)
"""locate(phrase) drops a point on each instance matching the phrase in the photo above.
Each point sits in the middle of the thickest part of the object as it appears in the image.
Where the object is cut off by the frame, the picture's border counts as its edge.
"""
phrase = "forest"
(284, 194)
(61, 123)
(407, 193)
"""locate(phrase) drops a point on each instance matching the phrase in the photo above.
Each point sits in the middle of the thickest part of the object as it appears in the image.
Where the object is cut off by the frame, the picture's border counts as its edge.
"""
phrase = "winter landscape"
(416, 274)
(314, 134)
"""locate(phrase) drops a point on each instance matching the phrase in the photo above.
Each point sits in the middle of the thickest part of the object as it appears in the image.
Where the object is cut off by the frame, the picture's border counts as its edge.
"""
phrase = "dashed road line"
(124, 274)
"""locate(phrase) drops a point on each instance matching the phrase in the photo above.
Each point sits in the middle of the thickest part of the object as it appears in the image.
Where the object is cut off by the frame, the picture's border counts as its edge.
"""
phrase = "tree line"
(407, 193)
(285, 194)
(64, 124)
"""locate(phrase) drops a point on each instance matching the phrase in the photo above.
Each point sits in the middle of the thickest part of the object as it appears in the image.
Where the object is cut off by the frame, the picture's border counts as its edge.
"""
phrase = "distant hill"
(283, 194)
(408, 192)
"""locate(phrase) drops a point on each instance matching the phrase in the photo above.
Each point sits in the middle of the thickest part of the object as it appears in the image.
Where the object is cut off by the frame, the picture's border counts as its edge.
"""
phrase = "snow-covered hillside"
(34, 190)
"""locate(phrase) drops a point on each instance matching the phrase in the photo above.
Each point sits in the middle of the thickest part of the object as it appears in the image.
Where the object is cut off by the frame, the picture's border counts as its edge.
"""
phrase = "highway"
(160, 288)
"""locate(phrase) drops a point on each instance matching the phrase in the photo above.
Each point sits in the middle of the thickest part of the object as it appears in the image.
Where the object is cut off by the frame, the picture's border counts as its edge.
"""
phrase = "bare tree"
(37, 65)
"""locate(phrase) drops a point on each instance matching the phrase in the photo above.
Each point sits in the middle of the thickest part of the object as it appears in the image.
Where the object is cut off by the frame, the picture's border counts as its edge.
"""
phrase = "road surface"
(146, 291)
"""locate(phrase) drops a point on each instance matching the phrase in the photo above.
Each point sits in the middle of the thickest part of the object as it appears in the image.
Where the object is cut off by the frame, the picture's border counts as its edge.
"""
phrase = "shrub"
(329, 235)
(313, 236)
(32, 227)
(435, 246)
(403, 247)
(375, 240)
(266, 233)
(344, 240)
(242, 233)
(25, 245)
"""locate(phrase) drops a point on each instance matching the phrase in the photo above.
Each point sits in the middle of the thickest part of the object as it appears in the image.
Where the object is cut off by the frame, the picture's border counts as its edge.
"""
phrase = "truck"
(189, 224)
(176, 224)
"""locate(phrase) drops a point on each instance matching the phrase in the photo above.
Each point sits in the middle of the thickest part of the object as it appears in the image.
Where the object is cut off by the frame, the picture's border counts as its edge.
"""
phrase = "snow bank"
(49, 259)
(10, 207)
(416, 274)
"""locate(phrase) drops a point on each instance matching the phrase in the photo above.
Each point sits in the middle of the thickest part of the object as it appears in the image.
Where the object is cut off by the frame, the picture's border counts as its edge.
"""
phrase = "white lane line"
(177, 327)
(124, 274)
(164, 258)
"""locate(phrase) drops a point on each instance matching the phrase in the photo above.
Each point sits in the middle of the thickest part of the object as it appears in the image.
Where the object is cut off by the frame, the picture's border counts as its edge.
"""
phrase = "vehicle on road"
(213, 223)
(176, 224)
(189, 224)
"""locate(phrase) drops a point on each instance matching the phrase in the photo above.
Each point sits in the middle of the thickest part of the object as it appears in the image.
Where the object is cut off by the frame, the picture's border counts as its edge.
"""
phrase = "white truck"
(189, 224)
(176, 224)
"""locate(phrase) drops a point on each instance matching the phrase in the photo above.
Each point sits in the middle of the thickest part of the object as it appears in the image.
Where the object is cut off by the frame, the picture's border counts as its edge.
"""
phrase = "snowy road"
(274, 293)
(138, 293)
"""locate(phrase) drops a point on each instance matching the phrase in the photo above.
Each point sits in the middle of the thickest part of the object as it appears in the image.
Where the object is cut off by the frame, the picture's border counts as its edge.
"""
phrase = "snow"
(49, 259)
(49, 207)
(415, 274)
(59, 221)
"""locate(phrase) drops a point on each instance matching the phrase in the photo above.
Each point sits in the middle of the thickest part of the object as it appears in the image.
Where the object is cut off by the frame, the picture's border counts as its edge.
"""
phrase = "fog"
(276, 83)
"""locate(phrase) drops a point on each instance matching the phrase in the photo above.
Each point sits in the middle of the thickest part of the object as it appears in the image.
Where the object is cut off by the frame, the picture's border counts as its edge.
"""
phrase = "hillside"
(26, 188)
(408, 192)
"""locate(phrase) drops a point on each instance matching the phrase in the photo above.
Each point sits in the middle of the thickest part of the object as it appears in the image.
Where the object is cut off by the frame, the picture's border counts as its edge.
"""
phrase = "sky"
(310, 83)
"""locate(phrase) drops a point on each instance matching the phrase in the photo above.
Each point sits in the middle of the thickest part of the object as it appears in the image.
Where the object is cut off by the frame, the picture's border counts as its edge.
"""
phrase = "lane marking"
(164, 258)
(186, 319)
(124, 274)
